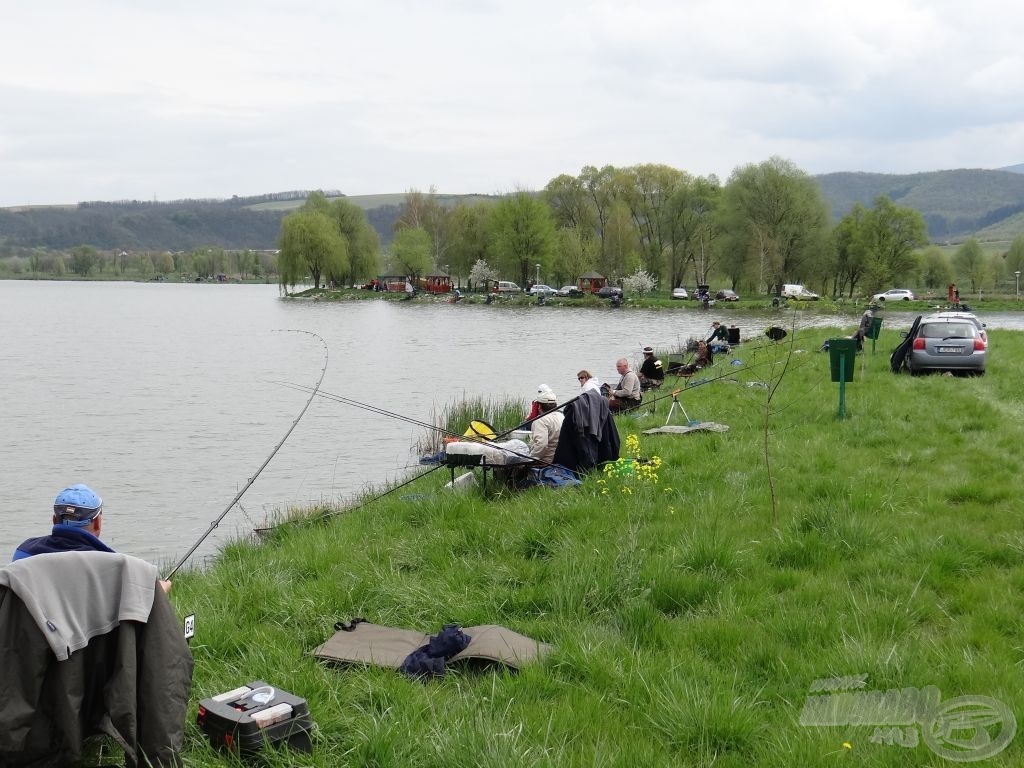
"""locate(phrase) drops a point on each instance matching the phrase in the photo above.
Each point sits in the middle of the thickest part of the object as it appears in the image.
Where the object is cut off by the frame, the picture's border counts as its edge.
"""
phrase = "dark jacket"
(63, 538)
(652, 369)
(131, 682)
(589, 436)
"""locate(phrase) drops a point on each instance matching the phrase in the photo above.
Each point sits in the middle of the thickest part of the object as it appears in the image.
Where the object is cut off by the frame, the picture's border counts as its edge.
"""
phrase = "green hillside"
(955, 204)
(369, 202)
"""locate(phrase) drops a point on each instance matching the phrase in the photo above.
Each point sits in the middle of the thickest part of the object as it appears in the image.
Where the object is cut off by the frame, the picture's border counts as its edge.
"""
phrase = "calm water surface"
(163, 397)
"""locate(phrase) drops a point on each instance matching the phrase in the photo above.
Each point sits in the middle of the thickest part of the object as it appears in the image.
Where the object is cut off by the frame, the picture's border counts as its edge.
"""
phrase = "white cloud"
(113, 99)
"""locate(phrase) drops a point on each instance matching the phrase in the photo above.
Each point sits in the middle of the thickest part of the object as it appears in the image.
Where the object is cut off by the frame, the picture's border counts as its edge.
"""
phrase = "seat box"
(245, 719)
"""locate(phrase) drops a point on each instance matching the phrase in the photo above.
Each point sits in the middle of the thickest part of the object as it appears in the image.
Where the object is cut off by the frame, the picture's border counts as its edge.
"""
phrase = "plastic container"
(463, 482)
(247, 718)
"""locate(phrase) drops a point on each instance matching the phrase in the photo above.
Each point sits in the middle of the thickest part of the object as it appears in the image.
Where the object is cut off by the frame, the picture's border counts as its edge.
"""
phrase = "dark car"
(607, 291)
(726, 295)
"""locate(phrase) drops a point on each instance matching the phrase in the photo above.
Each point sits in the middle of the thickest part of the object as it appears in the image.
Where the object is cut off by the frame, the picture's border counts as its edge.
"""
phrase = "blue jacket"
(64, 538)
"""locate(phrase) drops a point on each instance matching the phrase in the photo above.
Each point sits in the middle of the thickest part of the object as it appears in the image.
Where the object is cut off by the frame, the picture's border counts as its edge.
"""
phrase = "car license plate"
(949, 350)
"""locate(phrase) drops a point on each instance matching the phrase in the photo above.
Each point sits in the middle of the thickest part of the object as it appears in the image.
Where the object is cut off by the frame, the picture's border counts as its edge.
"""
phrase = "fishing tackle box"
(243, 720)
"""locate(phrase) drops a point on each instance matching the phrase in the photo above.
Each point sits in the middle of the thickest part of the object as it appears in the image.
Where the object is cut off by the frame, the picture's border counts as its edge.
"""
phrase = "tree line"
(767, 225)
(651, 224)
(85, 261)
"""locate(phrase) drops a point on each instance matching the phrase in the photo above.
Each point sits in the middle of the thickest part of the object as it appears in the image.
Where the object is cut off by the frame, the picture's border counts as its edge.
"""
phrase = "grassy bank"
(691, 614)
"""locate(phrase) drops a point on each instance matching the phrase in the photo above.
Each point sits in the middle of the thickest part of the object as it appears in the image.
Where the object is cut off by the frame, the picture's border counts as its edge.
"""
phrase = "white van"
(504, 286)
(798, 293)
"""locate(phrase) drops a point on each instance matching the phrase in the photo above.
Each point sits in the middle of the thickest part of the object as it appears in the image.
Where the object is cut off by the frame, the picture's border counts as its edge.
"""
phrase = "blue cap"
(78, 505)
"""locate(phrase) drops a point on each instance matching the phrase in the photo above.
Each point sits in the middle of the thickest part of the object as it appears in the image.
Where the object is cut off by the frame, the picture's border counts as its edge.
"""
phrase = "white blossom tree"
(640, 283)
(482, 274)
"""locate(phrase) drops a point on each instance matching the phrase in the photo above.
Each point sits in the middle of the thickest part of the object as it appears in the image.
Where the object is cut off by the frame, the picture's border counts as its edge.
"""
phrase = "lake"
(166, 398)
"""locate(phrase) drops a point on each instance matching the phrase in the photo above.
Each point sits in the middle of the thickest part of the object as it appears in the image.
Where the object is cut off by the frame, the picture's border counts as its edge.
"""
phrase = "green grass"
(689, 620)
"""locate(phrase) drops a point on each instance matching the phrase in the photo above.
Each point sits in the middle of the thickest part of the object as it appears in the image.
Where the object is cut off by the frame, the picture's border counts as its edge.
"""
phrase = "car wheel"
(906, 298)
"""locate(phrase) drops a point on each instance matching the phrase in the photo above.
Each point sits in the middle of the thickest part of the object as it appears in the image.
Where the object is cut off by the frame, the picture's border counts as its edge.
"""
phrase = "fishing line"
(368, 407)
(417, 422)
(325, 515)
(332, 513)
(273, 453)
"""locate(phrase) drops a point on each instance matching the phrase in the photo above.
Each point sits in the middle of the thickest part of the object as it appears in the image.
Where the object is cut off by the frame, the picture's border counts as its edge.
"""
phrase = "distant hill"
(1014, 168)
(181, 225)
(176, 226)
(955, 204)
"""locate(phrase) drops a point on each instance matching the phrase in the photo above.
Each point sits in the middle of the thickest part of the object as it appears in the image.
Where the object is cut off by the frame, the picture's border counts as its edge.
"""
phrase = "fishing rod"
(392, 415)
(273, 453)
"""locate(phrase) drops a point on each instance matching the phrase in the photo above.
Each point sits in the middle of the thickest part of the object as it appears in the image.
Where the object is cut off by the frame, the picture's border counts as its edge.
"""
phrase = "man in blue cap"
(77, 520)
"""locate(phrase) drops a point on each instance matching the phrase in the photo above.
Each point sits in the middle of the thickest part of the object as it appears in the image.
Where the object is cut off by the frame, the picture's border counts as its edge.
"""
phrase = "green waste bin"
(842, 350)
(875, 329)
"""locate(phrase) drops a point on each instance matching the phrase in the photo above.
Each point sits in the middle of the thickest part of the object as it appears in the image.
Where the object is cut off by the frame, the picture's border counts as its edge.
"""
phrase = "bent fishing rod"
(266, 461)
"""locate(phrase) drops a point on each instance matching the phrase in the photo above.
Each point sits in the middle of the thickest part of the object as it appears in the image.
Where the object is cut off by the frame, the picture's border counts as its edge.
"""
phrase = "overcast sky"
(139, 99)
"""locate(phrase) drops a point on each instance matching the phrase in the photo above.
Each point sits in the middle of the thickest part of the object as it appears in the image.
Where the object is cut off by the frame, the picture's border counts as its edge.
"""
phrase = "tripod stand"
(676, 403)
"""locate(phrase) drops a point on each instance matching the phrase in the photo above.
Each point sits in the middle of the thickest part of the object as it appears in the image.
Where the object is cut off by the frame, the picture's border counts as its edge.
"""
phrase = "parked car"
(797, 292)
(944, 343)
(570, 291)
(963, 315)
(542, 290)
(505, 286)
(607, 291)
(894, 294)
(726, 295)
(680, 293)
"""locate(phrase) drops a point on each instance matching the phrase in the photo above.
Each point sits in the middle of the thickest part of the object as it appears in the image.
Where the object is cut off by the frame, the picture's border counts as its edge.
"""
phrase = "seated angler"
(545, 430)
(625, 395)
(77, 522)
(702, 358)
(652, 373)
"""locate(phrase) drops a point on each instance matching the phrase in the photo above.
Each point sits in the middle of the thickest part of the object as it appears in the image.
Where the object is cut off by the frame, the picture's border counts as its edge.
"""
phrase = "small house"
(591, 282)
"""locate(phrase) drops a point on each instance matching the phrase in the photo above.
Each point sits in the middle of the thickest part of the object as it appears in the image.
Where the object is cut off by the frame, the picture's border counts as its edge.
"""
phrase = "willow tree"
(647, 191)
(893, 234)
(692, 228)
(970, 262)
(522, 235)
(778, 223)
(361, 239)
(425, 211)
(467, 236)
(310, 245)
(413, 251)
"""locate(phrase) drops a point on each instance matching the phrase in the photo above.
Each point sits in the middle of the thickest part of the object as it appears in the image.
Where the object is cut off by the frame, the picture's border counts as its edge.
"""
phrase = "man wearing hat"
(652, 374)
(718, 333)
(77, 520)
(544, 430)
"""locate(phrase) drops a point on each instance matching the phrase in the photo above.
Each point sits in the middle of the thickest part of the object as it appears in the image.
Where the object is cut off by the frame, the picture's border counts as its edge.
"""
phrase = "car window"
(948, 330)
